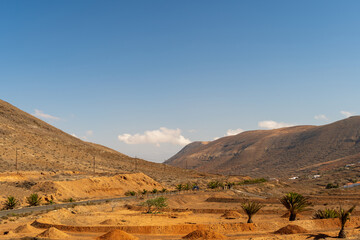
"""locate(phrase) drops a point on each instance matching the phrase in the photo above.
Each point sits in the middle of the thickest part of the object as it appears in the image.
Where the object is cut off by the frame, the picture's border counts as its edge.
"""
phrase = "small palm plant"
(344, 216)
(34, 199)
(251, 208)
(10, 203)
(179, 187)
(325, 214)
(295, 203)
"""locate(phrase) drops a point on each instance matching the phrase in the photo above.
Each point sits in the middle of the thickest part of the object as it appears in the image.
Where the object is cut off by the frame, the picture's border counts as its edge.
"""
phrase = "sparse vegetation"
(163, 190)
(10, 203)
(327, 213)
(154, 190)
(229, 184)
(344, 216)
(186, 187)
(144, 191)
(130, 193)
(34, 200)
(155, 205)
(50, 201)
(69, 200)
(330, 185)
(295, 203)
(179, 187)
(252, 181)
(251, 208)
(214, 184)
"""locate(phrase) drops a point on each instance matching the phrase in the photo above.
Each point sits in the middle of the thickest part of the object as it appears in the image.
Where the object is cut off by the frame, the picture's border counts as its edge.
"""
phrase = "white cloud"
(231, 132)
(89, 133)
(161, 135)
(273, 125)
(321, 117)
(192, 131)
(41, 114)
(347, 114)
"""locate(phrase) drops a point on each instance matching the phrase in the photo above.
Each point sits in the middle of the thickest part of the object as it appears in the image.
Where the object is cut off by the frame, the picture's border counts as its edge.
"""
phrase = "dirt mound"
(291, 229)
(109, 222)
(26, 228)
(53, 233)
(98, 186)
(231, 215)
(117, 235)
(204, 234)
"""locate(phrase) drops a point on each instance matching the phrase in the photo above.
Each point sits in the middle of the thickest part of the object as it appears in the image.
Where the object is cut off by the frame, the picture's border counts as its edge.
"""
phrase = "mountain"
(278, 152)
(42, 147)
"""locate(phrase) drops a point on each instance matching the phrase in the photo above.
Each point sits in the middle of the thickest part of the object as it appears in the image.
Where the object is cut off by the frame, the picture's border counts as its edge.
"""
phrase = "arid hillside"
(38, 146)
(278, 152)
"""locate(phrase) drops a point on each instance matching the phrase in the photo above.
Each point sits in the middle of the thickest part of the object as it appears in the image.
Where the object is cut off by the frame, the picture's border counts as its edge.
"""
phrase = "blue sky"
(170, 72)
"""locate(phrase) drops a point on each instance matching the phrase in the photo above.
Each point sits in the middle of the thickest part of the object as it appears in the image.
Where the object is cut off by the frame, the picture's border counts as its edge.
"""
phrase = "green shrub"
(50, 202)
(10, 203)
(34, 200)
(327, 213)
(330, 185)
(186, 186)
(179, 187)
(155, 205)
(163, 190)
(154, 190)
(69, 200)
(252, 181)
(214, 184)
(229, 184)
(144, 191)
(130, 193)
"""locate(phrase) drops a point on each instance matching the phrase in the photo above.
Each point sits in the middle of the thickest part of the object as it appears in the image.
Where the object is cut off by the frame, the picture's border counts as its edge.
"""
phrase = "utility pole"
(94, 165)
(16, 159)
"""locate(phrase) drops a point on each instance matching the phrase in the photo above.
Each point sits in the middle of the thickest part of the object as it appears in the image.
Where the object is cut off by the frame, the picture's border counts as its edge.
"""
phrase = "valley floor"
(187, 212)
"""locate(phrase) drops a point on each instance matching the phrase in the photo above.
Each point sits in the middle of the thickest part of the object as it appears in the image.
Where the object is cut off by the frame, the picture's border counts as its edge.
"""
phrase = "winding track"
(70, 204)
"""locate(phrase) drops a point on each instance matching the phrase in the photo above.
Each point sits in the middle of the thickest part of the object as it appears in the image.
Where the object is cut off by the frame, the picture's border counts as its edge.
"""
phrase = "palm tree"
(10, 203)
(34, 199)
(251, 208)
(295, 203)
(344, 216)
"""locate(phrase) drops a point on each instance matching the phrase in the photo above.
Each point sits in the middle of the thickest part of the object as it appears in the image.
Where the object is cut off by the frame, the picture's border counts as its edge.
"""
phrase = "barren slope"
(42, 147)
(275, 152)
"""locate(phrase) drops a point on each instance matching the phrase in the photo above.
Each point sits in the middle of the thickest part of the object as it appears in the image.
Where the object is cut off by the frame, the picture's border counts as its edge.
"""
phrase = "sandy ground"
(186, 212)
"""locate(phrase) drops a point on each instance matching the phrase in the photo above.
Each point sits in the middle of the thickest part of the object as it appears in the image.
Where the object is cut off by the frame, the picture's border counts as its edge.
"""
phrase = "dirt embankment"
(164, 229)
(97, 186)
